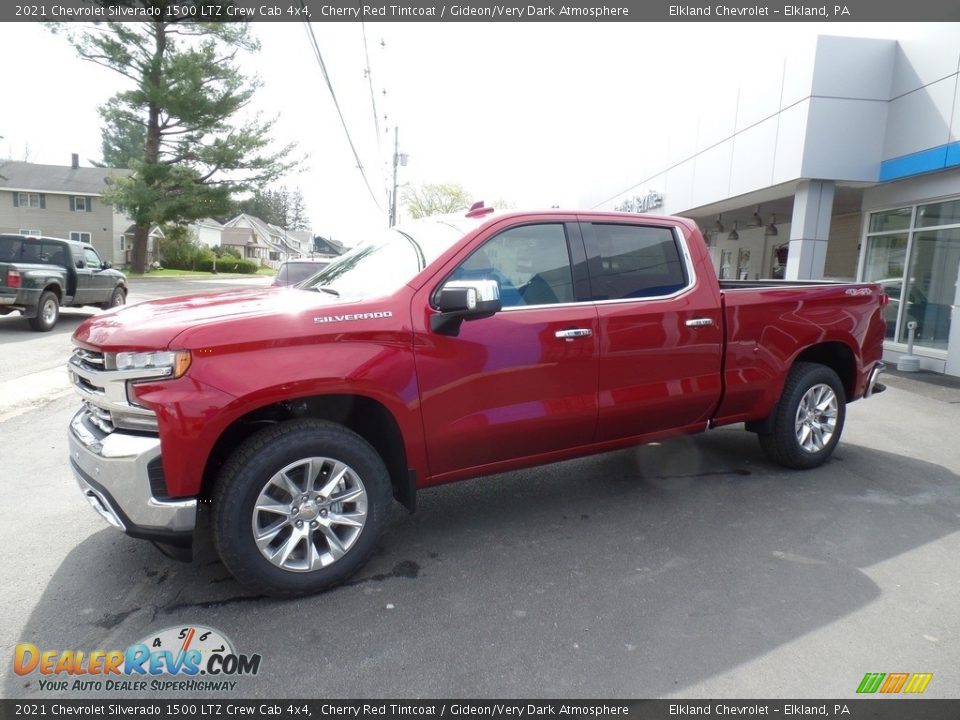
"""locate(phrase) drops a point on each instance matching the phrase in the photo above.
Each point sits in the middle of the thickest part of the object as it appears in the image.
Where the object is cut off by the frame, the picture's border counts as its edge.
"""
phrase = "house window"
(81, 204)
(80, 236)
(123, 245)
(33, 232)
(29, 200)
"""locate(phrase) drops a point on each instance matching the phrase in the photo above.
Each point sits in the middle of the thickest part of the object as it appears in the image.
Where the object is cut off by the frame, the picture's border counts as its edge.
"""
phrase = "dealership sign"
(642, 203)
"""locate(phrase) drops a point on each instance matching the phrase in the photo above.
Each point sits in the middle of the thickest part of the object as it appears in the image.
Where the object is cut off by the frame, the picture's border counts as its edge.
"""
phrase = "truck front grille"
(89, 359)
(104, 392)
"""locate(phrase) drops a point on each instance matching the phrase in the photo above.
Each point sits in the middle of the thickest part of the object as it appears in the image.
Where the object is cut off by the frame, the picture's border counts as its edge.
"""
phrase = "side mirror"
(106, 265)
(460, 300)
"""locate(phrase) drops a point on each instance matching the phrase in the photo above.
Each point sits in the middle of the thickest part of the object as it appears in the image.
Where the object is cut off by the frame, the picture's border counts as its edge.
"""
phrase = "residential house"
(261, 241)
(326, 247)
(208, 232)
(63, 201)
(153, 245)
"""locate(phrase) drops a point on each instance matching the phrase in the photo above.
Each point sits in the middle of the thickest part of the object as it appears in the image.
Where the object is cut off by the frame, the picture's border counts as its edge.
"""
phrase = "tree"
(297, 212)
(434, 199)
(126, 140)
(268, 205)
(186, 94)
(281, 207)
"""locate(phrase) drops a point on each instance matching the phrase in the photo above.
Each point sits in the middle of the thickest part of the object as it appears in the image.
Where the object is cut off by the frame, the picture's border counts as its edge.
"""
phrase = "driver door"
(524, 381)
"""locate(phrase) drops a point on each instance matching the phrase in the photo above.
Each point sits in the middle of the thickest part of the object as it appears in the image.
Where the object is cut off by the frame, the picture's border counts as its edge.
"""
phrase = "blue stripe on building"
(937, 158)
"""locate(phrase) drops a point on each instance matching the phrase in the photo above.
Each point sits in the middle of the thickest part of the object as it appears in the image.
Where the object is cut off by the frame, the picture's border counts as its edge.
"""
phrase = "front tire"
(48, 310)
(808, 420)
(117, 298)
(299, 507)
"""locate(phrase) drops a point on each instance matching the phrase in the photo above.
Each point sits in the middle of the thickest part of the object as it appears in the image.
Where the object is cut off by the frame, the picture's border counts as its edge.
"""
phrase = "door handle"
(699, 322)
(573, 333)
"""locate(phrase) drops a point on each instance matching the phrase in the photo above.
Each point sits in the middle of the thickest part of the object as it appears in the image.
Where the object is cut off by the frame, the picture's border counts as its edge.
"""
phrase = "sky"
(530, 114)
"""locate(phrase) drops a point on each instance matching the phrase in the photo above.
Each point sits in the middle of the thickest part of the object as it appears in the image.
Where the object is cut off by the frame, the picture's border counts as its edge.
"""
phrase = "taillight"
(13, 279)
(884, 299)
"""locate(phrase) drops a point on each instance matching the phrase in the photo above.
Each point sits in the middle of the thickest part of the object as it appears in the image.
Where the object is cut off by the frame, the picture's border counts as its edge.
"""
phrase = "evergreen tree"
(186, 93)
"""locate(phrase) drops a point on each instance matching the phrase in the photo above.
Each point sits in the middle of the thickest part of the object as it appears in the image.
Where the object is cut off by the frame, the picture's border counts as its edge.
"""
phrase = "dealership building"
(839, 161)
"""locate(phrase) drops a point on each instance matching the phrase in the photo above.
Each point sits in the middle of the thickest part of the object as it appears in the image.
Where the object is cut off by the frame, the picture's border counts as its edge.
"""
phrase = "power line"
(336, 104)
(373, 104)
(373, 99)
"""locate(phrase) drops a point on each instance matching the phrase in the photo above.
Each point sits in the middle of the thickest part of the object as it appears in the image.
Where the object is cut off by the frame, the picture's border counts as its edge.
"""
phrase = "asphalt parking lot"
(691, 568)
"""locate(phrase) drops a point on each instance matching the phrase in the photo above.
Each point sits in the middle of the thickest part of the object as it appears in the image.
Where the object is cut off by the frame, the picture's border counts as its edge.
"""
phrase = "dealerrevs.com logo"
(185, 658)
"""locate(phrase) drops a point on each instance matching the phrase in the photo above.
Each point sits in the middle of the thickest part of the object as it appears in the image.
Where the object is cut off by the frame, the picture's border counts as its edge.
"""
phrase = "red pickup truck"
(447, 349)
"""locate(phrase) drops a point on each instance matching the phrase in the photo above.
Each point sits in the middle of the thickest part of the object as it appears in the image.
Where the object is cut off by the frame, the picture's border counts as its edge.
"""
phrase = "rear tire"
(299, 507)
(48, 310)
(808, 420)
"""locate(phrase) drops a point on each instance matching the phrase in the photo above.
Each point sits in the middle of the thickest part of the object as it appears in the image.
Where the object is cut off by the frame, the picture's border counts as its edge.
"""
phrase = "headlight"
(176, 361)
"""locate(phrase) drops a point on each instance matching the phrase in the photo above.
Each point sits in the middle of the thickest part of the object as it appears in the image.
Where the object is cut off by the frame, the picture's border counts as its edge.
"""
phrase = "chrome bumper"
(112, 470)
(873, 386)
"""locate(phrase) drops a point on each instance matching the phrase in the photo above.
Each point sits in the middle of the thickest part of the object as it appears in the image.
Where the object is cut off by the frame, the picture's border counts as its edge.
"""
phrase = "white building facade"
(839, 161)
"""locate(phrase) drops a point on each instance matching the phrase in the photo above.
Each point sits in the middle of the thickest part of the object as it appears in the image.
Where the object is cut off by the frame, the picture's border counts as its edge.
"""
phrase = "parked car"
(39, 275)
(447, 349)
(292, 272)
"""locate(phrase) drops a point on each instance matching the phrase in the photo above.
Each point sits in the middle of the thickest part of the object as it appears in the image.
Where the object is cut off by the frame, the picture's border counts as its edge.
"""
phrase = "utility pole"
(398, 159)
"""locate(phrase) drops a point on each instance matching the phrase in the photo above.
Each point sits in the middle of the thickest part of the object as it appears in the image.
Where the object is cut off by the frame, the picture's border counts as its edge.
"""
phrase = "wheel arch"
(363, 415)
(835, 355)
(838, 357)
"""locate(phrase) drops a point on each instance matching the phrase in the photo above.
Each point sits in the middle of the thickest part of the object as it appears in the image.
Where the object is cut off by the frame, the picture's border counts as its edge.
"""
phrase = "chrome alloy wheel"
(816, 419)
(309, 514)
(49, 311)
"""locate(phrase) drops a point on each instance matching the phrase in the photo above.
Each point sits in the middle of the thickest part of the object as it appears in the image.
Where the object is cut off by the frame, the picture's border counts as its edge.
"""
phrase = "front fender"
(222, 387)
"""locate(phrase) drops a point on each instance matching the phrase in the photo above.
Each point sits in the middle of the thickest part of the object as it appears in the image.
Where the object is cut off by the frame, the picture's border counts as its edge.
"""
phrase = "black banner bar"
(485, 11)
(209, 708)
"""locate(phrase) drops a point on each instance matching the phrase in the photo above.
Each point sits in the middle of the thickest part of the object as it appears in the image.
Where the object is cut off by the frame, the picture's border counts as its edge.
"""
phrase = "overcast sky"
(533, 114)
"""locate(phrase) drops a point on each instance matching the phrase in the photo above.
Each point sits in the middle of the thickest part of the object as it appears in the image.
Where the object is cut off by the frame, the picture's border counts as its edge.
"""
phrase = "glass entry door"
(931, 286)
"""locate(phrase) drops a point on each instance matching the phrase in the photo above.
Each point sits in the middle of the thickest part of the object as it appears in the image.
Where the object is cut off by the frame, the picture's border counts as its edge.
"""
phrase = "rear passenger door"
(660, 330)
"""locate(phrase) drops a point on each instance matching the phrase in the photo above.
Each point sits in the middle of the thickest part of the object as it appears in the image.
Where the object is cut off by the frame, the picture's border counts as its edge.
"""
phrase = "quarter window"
(636, 262)
(531, 263)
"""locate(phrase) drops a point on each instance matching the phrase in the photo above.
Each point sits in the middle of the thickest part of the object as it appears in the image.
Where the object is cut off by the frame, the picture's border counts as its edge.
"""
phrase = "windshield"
(384, 264)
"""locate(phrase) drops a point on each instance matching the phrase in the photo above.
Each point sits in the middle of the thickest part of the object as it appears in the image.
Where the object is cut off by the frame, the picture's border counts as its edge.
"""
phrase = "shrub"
(230, 264)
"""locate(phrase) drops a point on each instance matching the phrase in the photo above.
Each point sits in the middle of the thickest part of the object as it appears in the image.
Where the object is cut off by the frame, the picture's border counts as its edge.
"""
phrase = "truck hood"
(156, 324)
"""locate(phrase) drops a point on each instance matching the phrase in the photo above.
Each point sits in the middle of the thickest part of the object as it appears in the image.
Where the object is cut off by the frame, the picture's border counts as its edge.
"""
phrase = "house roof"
(269, 235)
(242, 236)
(57, 178)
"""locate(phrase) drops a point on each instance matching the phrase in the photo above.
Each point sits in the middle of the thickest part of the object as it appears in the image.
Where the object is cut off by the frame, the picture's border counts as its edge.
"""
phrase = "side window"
(93, 260)
(636, 262)
(54, 253)
(31, 253)
(9, 249)
(531, 263)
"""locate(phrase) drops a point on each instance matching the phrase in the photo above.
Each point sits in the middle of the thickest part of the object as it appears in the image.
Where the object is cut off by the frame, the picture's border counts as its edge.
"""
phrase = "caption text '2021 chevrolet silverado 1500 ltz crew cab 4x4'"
(448, 349)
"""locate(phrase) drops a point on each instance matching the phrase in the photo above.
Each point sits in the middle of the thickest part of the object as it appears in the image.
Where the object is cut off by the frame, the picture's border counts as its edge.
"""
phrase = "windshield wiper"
(328, 290)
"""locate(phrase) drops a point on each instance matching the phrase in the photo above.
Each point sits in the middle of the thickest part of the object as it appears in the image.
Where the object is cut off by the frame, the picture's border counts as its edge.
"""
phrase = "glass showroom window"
(914, 253)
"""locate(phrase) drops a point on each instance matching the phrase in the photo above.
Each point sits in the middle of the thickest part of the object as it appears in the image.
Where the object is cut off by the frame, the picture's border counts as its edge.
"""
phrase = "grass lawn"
(169, 272)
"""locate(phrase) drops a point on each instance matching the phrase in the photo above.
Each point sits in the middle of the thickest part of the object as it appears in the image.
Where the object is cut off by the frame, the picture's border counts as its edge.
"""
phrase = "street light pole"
(399, 159)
